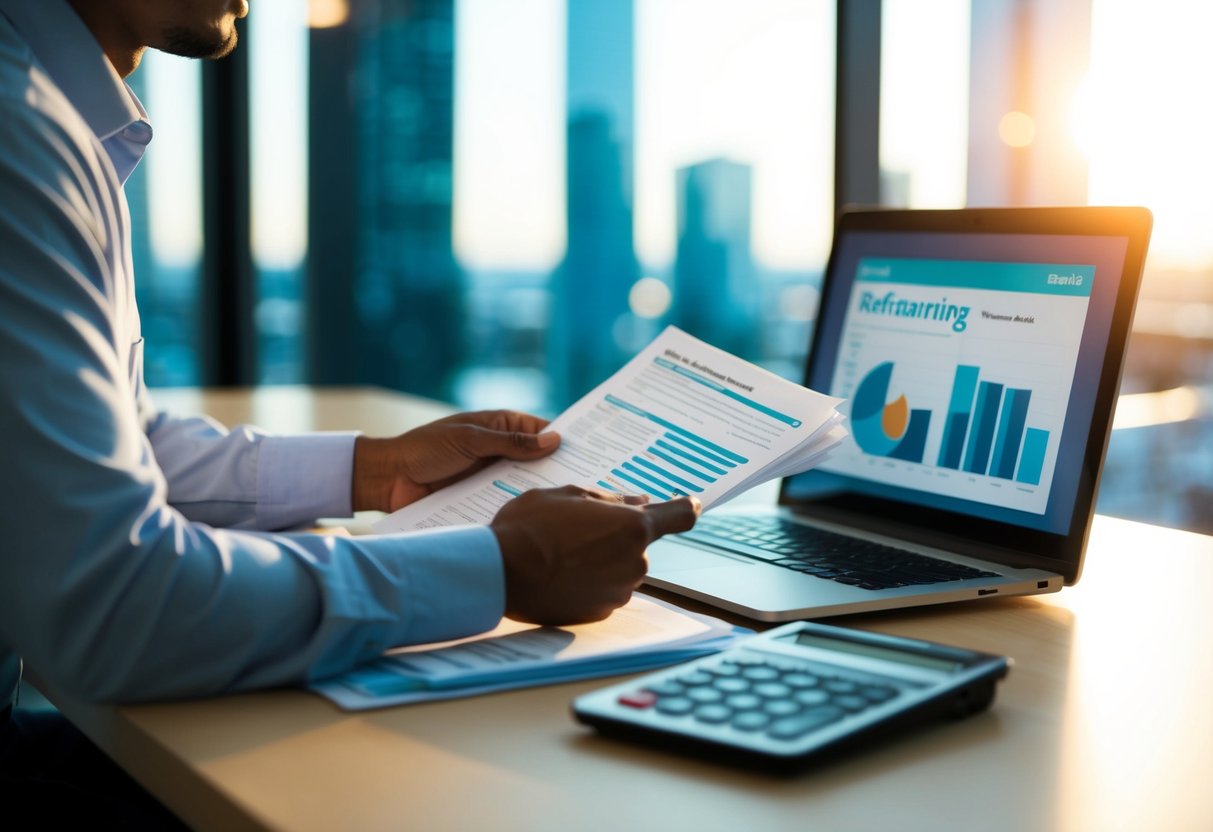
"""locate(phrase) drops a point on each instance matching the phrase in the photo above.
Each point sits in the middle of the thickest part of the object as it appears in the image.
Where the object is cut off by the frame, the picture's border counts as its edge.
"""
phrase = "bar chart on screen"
(959, 377)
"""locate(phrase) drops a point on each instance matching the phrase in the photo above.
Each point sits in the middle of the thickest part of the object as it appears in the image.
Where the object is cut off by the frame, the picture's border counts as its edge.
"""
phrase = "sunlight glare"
(1017, 129)
(1145, 124)
(649, 298)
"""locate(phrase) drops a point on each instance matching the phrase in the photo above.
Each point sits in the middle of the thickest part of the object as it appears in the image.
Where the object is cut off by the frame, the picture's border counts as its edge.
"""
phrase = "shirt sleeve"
(108, 590)
(246, 478)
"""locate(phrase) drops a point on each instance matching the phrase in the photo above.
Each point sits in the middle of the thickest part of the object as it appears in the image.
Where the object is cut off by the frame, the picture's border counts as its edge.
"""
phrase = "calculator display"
(873, 651)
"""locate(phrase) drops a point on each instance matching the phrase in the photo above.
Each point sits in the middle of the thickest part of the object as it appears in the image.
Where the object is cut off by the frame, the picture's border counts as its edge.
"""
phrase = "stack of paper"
(643, 634)
(682, 417)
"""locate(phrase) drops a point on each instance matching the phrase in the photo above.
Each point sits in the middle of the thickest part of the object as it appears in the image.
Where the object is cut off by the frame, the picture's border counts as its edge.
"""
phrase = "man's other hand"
(573, 555)
(391, 473)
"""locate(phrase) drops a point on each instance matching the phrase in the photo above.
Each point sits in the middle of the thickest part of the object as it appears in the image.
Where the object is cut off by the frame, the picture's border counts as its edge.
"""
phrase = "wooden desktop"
(1105, 721)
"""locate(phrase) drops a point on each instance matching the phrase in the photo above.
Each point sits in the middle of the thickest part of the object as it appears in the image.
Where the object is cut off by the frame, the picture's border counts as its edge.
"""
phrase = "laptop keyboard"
(824, 554)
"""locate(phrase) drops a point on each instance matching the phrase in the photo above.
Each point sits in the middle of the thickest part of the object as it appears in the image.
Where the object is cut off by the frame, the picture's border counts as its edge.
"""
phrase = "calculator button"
(781, 707)
(733, 685)
(704, 695)
(666, 688)
(840, 686)
(695, 679)
(713, 714)
(800, 680)
(639, 699)
(772, 690)
(878, 693)
(816, 696)
(797, 726)
(751, 721)
(675, 705)
(744, 661)
(851, 702)
(724, 669)
(760, 673)
(743, 701)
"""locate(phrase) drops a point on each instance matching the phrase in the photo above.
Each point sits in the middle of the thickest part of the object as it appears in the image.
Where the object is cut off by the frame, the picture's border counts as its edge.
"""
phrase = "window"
(1083, 101)
(504, 201)
(165, 197)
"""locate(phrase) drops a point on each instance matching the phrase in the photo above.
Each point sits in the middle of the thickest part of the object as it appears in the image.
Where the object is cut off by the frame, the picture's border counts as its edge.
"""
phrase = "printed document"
(682, 417)
(644, 633)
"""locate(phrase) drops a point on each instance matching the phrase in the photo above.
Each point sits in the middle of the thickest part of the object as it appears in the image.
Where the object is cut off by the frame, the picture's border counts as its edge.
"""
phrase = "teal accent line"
(725, 452)
(690, 446)
(720, 388)
(608, 487)
(657, 481)
(507, 488)
(639, 484)
(681, 465)
(668, 475)
(661, 443)
(1072, 280)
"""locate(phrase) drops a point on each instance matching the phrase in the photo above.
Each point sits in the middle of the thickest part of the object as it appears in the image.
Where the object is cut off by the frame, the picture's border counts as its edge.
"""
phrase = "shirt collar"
(71, 56)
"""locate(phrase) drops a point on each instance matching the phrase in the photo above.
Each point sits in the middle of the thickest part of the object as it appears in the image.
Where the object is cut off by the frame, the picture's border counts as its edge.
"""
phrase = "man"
(138, 559)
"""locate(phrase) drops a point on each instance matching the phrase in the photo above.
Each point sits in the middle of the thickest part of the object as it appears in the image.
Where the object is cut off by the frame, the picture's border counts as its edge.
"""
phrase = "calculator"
(795, 695)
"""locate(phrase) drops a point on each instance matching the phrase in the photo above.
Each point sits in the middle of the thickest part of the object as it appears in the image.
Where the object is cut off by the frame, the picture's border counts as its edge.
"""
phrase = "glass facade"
(640, 202)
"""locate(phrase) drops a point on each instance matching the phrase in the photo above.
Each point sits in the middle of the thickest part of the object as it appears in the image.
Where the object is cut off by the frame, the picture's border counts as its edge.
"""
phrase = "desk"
(1104, 723)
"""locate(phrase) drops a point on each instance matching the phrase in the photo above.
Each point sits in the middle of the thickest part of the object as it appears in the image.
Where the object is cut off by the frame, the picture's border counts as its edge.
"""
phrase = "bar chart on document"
(959, 375)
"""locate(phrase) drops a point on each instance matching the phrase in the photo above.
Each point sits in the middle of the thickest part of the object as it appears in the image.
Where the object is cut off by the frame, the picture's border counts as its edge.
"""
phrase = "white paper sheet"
(682, 417)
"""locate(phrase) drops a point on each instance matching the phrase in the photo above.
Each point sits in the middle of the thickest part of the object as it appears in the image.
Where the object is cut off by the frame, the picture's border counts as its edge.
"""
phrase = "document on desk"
(643, 634)
(682, 417)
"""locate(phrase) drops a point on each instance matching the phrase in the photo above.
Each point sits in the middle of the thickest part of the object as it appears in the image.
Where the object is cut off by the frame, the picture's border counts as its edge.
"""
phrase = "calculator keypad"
(757, 696)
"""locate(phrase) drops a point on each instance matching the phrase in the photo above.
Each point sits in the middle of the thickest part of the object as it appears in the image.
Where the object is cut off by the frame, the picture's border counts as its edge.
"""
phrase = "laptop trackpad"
(668, 556)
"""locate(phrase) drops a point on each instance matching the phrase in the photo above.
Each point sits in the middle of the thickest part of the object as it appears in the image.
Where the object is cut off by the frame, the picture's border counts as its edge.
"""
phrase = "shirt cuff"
(300, 478)
(454, 583)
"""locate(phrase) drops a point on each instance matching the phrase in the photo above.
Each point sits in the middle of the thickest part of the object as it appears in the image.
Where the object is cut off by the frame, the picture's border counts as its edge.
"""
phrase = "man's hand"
(391, 473)
(573, 555)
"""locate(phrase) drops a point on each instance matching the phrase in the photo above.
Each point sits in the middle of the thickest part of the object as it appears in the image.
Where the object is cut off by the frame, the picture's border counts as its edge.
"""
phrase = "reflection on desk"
(1102, 724)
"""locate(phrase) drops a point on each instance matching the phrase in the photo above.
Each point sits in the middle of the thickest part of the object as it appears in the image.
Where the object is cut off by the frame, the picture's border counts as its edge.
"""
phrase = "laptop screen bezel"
(1007, 543)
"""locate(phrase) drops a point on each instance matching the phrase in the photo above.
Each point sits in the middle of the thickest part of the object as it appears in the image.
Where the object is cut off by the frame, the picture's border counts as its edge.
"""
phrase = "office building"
(590, 288)
(402, 298)
(715, 293)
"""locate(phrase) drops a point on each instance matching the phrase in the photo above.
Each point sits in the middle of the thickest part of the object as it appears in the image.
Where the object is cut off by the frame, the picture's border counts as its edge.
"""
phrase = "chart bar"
(664, 474)
(637, 471)
(1030, 464)
(645, 487)
(1010, 432)
(959, 411)
(676, 463)
(507, 488)
(981, 436)
(682, 452)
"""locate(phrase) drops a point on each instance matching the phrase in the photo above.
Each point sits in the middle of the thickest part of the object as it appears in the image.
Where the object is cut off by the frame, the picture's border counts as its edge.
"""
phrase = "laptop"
(980, 354)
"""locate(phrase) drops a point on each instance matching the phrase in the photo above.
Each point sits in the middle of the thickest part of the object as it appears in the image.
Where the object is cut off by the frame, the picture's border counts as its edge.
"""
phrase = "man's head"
(189, 28)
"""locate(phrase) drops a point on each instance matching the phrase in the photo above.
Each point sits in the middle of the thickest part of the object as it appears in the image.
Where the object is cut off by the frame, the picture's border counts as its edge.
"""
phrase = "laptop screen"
(972, 362)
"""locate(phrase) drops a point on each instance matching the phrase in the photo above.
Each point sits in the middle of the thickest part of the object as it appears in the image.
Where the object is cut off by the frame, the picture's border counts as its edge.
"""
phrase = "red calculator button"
(638, 699)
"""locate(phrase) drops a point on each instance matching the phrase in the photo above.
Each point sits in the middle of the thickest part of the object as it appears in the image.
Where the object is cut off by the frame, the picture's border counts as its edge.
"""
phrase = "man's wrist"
(369, 477)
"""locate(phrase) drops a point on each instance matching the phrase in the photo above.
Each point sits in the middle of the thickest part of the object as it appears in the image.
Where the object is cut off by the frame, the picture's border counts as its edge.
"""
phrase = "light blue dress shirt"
(116, 582)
